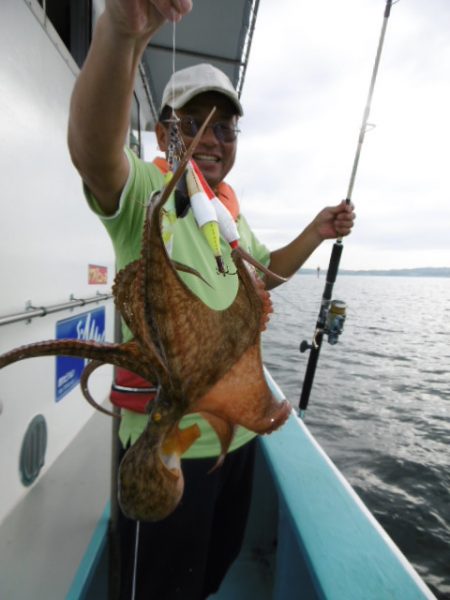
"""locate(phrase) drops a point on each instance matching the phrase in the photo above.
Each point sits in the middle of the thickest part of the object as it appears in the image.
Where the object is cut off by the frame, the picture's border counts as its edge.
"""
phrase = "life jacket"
(131, 391)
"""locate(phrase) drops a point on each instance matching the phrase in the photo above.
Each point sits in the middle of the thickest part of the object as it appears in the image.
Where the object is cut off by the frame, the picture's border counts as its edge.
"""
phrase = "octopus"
(204, 361)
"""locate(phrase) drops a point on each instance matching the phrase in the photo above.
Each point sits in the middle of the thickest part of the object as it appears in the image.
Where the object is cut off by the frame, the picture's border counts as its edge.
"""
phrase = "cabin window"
(32, 453)
(73, 23)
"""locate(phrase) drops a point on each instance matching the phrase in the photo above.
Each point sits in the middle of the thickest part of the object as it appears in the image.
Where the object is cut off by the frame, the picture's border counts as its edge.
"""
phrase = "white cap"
(189, 82)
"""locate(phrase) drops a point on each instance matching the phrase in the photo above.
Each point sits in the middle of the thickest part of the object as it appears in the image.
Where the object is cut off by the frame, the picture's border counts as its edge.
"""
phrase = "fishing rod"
(332, 313)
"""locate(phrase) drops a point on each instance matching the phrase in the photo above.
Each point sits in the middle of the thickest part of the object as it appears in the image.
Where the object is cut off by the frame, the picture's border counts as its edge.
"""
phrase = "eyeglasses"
(223, 132)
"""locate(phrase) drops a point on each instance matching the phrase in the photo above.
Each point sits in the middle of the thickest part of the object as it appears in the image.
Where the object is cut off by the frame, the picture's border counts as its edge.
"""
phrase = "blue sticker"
(86, 326)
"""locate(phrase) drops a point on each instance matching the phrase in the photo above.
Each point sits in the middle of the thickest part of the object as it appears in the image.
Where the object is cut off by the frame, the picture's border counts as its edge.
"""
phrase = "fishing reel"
(335, 321)
(333, 317)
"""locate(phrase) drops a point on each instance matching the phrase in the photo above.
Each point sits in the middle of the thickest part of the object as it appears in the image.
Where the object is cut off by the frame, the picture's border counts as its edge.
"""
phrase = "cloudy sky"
(304, 95)
(305, 92)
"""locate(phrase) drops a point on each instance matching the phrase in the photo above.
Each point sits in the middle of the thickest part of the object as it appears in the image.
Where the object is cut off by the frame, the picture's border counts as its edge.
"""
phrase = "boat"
(309, 535)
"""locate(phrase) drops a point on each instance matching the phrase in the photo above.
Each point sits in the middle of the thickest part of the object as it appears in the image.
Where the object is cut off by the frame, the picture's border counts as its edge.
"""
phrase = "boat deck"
(257, 572)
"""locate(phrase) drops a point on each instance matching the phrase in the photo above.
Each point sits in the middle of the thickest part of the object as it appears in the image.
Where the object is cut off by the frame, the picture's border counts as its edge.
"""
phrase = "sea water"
(380, 403)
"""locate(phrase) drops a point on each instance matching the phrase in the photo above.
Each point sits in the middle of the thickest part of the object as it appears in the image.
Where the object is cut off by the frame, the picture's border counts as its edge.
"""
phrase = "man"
(186, 555)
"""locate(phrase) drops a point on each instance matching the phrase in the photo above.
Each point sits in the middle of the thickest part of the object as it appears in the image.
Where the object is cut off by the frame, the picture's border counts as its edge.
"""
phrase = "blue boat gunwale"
(348, 554)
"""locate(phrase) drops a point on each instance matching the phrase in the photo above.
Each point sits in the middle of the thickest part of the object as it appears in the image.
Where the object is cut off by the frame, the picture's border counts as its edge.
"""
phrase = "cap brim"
(183, 99)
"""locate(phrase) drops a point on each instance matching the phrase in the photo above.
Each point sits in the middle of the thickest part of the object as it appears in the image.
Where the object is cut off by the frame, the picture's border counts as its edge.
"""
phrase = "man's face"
(215, 157)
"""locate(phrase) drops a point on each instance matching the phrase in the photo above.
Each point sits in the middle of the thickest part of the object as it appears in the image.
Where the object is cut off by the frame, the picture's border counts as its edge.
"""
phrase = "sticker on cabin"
(97, 274)
(86, 326)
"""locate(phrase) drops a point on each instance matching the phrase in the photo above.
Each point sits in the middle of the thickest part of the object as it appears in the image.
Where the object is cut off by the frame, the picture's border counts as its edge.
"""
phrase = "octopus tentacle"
(243, 397)
(225, 432)
(81, 349)
(255, 263)
(151, 481)
(179, 172)
(127, 290)
(128, 356)
(147, 489)
(123, 282)
(186, 269)
(87, 372)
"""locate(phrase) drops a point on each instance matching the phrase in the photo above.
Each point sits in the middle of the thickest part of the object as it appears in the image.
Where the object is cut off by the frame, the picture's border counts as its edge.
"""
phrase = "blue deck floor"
(257, 576)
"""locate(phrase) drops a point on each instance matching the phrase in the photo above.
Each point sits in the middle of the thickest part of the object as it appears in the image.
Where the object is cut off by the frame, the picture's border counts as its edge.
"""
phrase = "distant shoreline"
(417, 272)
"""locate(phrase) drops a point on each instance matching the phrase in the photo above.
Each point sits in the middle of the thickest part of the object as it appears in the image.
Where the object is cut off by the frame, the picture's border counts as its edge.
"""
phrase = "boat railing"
(31, 311)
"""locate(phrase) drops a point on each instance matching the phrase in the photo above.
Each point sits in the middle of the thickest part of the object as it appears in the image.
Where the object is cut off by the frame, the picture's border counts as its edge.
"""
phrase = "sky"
(304, 95)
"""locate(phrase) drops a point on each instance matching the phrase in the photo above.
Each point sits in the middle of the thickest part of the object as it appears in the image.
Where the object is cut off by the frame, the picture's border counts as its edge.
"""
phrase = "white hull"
(47, 239)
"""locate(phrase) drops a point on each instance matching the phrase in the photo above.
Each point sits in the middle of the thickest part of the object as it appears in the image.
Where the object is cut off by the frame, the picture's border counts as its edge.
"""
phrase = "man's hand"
(334, 221)
(141, 18)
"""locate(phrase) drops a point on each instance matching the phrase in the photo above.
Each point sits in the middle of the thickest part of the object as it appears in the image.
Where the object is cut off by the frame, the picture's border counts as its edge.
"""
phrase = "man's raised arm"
(101, 100)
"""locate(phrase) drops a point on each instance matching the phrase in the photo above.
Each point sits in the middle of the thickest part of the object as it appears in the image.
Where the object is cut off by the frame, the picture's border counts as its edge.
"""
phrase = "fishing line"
(174, 37)
(136, 551)
(280, 295)
(332, 312)
(174, 148)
